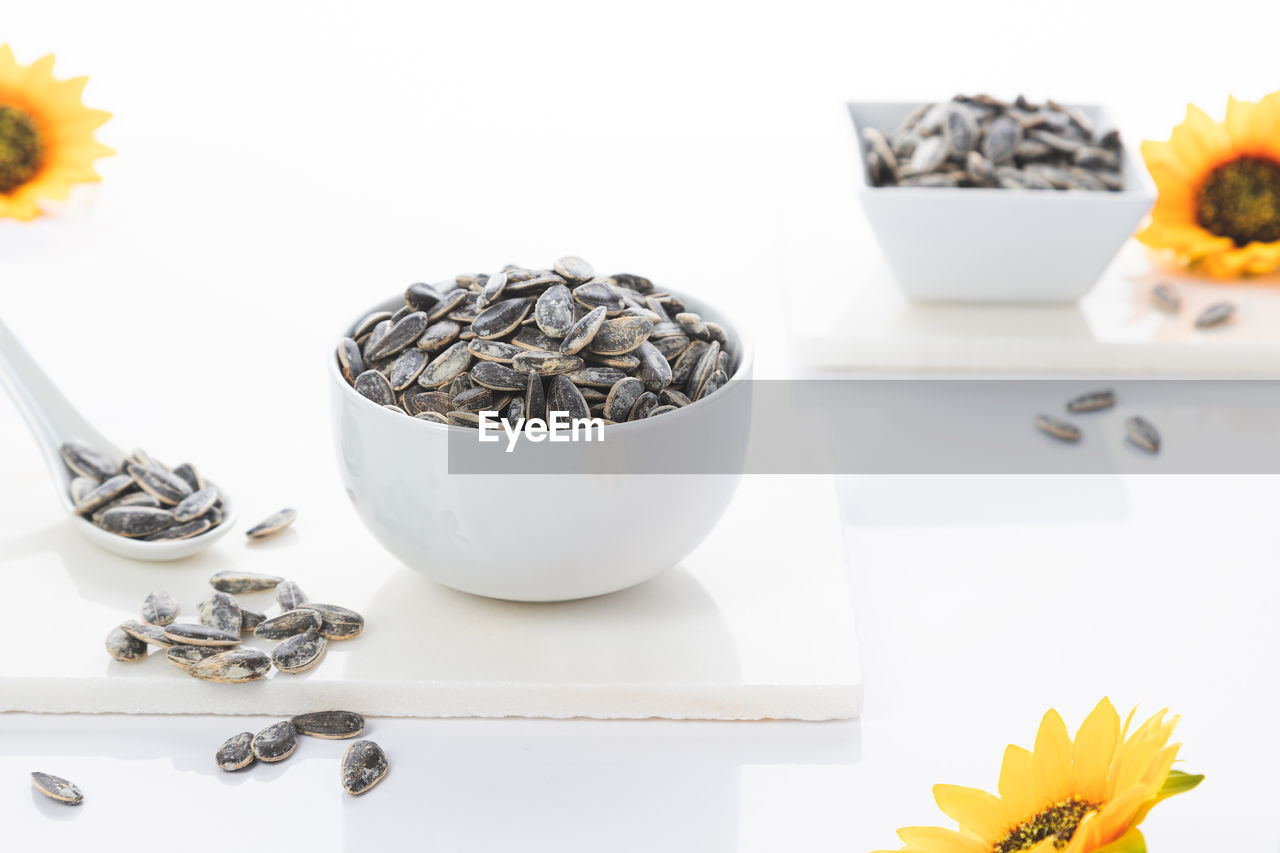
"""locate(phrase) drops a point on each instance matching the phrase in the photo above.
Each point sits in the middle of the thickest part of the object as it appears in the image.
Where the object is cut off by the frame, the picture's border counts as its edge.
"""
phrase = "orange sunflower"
(46, 135)
(1082, 796)
(1219, 203)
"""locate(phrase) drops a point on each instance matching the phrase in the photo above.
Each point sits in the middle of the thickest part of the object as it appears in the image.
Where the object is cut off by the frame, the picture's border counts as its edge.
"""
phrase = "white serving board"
(846, 313)
(758, 623)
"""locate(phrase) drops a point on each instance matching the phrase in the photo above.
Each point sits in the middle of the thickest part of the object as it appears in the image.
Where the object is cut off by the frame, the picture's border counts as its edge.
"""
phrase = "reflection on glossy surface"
(453, 785)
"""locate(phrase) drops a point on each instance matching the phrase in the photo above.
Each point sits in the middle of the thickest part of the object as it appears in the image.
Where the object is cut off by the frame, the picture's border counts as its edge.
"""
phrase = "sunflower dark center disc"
(1058, 821)
(20, 148)
(1241, 200)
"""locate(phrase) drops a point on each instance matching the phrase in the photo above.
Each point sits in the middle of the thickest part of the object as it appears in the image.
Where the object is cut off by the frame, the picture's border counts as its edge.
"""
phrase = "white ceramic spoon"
(53, 421)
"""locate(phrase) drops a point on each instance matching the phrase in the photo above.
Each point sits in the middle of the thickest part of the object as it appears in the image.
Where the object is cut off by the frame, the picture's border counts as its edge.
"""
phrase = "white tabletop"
(283, 165)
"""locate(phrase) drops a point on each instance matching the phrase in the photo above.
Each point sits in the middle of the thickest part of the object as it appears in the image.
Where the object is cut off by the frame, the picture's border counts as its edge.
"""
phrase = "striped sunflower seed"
(276, 742)
(236, 752)
(363, 766)
(330, 725)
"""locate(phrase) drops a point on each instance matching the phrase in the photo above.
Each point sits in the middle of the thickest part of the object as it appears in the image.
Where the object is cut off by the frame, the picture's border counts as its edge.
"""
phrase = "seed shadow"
(53, 809)
(104, 577)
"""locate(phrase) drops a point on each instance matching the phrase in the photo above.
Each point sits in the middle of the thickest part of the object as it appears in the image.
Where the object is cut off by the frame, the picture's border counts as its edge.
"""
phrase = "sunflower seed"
(498, 351)
(535, 399)
(960, 129)
(446, 366)
(337, 623)
(87, 462)
(104, 494)
(299, 652)
(160, 608)
(272, 524)
(289, 595)
(1166, 298)
(350, 362)
(363, 766)
(221, 611)
(406, 331)
(250, 619)
(1215, 315)
(125, 647)
(1057, 428)
(195, 505)
(276, 742)
(701, 373)
(134, 521)
(405, 369)
(232, 667)
(236, 752)
(421, 402)
(584, 331)
(502, 318)
(236, 582)
(1142, 434)
(600, 294)
(564, 396)
(372, 385)
(573, 268)
(199, 635)
(672, 397)
(644, 404)
(554, 311)
(1092, 402)
(545, 363)
(476, 399)
(366, 326)
(713, 384)
(330, 725)
(57, 788)
(152, 635)
(599, 377)
(185, 530)
(623, 334)
(654, 370)
(81, 487)
(188, 474)
(439, 335)
(185, 656)
(288, 624)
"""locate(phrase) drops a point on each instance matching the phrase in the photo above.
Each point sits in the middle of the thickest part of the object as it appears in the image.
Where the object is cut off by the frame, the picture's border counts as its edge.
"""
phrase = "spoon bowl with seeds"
(88, 472)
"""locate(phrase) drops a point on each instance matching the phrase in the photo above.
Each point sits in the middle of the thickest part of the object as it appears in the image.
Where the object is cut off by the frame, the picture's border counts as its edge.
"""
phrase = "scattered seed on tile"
(57, 788)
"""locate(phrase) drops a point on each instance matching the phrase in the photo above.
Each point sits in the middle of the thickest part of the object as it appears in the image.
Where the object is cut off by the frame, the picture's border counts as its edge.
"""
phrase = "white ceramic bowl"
(543, 537)
(997, 245)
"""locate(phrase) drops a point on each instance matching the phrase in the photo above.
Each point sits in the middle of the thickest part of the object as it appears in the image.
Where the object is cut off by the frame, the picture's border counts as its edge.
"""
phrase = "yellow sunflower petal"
(1199, 142)
(1051, 759)
(1094, 746)
(935, 839)
(973, 809)
(1117, 816)
(1017, 782)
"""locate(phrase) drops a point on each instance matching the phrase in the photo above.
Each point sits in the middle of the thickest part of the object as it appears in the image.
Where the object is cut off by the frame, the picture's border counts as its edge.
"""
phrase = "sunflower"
(1086, 796)
(46, 135)
(1219, 202)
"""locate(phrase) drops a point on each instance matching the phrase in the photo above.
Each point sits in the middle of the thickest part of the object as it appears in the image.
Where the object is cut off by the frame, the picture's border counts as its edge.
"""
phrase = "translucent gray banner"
(914, 426)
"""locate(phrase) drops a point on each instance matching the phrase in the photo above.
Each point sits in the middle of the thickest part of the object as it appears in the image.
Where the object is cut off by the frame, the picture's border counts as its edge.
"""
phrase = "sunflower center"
(1058, 821)
(21, 150)
(1241, 200)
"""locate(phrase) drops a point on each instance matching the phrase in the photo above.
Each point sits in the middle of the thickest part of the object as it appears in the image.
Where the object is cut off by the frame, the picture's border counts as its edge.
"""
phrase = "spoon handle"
(50, 416)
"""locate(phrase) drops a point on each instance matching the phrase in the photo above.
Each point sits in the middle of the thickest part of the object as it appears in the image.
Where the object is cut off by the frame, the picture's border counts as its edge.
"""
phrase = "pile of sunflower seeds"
(523, 342)
(363, 766)
(981, 141)
(141, 499)
(1138, 430)
(210, 648)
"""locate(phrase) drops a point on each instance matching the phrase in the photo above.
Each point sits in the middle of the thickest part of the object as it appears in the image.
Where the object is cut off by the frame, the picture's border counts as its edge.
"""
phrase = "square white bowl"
(974, 244)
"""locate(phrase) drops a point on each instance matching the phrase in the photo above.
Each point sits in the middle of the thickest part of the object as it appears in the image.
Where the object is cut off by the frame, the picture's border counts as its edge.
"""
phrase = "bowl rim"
(742, 372)
(1144, 189)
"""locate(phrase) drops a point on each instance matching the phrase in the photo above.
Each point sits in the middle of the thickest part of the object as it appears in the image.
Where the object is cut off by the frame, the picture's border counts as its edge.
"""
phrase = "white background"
(283, 165)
